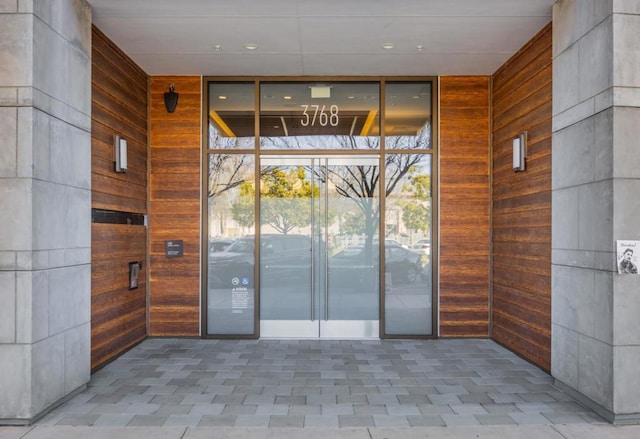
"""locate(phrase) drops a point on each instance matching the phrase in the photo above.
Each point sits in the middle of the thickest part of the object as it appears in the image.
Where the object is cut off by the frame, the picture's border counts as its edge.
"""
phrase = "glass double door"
(319, 246)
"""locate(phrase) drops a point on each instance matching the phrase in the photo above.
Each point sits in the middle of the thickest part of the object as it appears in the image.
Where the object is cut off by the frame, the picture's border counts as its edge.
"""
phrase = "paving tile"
(231, 409)
(190, 420)
(337, 409)
(297, 399)
(390, 421)
(89, 419)
(366, 409)
(272, 409)
(174, 409)
(218, 421)
(495, 419)
(468, 409)
(113, 420)
(286, 421)
(501, 408)
(403, 409)
(229, 399)
(166, 399)
(356, 421)
(252, 421)
(382, 399)
(425, 421)
(147, 421)
(459, 420)
(445, 399)
(528, 418)
(323, 421)
(565, 418)
(206, 409)
(305, 409)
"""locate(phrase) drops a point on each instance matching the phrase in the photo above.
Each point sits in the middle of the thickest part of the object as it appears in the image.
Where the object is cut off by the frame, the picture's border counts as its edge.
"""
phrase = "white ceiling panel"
(311, 37)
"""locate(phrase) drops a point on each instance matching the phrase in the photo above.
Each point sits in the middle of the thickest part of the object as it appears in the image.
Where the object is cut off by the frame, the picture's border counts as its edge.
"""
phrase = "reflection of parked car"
(219, 245)
(280, 255)
(390, 242)
(352, 264)
(422, 246)
(402, 264)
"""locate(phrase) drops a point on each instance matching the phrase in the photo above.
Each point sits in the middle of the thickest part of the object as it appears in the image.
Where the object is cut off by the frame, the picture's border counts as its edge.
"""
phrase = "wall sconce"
(519, 151)
(171, 99)
(120, 153)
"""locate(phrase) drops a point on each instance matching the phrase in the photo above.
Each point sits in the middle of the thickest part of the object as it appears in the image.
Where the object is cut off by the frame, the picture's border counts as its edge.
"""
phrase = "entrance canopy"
(312, 37)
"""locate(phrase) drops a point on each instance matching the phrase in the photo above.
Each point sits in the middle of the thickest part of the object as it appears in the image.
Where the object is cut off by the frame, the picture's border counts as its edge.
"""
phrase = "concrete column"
(45, 204)
(596, 201)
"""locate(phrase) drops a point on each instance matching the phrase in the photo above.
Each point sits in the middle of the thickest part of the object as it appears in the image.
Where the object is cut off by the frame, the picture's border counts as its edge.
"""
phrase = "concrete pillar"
(596, 201)
(45, 204)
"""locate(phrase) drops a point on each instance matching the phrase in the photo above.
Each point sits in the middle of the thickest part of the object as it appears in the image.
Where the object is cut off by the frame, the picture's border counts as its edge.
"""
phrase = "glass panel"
(353, 219)
(287, 192)
(408, 268)
(408, 115)
(230, 216)
(319, 115)
(231, 115)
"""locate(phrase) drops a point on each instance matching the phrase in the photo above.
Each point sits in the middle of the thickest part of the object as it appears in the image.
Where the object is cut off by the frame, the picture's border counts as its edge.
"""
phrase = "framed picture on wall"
(134, 272)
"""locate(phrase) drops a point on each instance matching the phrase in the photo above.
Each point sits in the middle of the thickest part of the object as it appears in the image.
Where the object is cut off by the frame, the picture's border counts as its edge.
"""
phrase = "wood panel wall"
(174, 208)
(464, 206)
(119, 106)
(521, 298)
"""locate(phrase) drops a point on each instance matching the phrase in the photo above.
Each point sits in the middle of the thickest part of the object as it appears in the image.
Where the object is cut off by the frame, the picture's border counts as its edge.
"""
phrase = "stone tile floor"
(319, 383)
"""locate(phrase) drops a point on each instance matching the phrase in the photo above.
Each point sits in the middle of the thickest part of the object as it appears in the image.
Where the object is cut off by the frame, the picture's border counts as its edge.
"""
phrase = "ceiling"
(320, 37)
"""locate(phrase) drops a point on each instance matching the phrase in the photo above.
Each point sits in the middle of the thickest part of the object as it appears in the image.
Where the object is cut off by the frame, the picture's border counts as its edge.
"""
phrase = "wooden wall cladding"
(174, 208)
(119, 106)
(464, 206)
(521, 281)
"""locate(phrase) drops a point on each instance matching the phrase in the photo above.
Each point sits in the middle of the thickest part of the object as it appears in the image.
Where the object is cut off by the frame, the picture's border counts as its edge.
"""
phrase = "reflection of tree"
(285, 199)
(416, 213)
(360, 184)
(227, 171)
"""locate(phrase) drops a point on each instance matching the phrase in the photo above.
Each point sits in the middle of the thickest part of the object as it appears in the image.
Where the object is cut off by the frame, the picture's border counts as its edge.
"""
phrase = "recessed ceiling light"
(388, 46)
(218, 47)
(419, 47)
(251, 46)
(351, 97)
(286, 98)
(222, 97)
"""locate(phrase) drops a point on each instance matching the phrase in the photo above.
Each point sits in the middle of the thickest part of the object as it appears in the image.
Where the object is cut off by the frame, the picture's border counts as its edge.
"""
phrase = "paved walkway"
(320, 383)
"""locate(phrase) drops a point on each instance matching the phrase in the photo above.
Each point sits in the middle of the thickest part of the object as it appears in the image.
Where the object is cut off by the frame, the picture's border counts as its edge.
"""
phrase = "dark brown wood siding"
(174, 208)
(464, 206)
(521, 285)
(119, 106)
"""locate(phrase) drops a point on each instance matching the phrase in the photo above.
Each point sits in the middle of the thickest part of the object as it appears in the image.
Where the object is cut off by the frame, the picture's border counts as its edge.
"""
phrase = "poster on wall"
(628, 254)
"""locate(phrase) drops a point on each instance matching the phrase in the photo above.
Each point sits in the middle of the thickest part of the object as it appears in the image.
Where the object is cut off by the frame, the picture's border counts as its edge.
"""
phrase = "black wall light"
(171, 99)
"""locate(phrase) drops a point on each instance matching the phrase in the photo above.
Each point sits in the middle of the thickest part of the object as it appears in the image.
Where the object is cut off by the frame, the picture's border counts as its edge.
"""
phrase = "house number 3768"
(313, 115)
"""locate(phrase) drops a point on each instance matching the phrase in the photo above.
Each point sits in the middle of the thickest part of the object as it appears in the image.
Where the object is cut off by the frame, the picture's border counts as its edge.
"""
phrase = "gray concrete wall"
(596, 201)
(45, 203)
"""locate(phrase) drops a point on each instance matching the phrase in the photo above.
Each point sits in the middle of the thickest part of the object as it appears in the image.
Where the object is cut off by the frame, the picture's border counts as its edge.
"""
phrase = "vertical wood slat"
(521, 282)
(464, 206)
(119, 106)
(174, 203)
